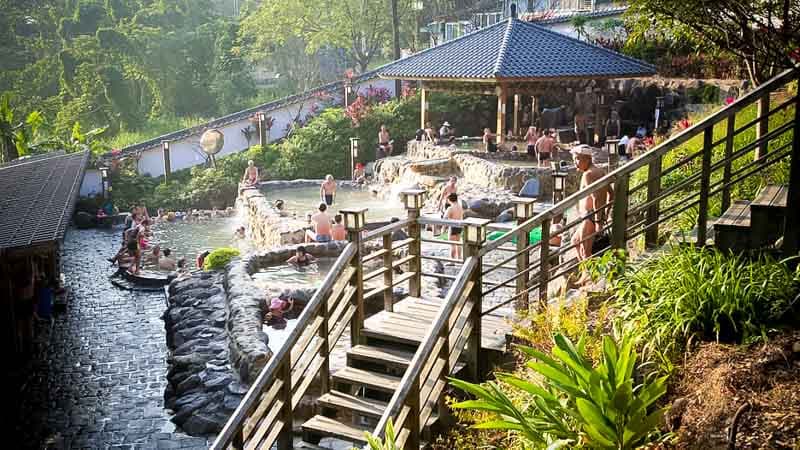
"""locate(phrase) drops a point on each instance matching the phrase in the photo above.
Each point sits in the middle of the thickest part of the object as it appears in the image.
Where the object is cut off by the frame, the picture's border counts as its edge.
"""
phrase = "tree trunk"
(396, 37)
(9, 150)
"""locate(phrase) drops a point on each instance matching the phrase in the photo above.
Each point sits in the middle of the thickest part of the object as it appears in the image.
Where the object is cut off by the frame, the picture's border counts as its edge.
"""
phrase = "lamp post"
(612, 145)
(261, 118)
(104, 180)
(353, 154)
(348, 89)
(559, 185)
(167, 165)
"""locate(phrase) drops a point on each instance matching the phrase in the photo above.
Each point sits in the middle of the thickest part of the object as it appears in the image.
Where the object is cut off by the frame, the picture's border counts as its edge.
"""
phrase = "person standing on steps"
(327, 191)
(592, 206)
(384, 142)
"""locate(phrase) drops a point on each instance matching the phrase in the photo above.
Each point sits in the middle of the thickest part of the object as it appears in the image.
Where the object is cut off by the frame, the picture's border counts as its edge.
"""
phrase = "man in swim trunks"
(384, 141)
(454, 212)
(585, 235)
(327, 191)
(322, 226)
(544, 146)
(338, 232)
(167, 262)
(250, 177)
(530, 138)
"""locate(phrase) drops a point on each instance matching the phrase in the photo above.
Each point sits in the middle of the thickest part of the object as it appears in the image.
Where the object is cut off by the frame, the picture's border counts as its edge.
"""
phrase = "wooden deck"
(412, 316)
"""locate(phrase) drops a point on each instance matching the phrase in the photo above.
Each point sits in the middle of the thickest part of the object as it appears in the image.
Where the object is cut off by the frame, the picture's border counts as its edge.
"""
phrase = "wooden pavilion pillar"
(516, 115)
(533, 110)
(424, 107)
(502, 94)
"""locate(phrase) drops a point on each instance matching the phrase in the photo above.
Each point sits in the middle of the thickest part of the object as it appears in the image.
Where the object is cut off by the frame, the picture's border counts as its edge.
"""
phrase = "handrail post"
(474, 237)
(653, 190)
(619, 223)
(354, 220)
(412, 199)
(324, 351)
(444, 354)
(544, 264)
(523, 209)
(285, 435)
(705, 185)
(412, 419)
(791, 233)
(388, 297)
(726, 171)
(762, 128)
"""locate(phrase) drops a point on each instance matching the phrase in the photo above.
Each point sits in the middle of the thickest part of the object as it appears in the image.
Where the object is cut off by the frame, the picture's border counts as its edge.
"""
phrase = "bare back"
(322, 223)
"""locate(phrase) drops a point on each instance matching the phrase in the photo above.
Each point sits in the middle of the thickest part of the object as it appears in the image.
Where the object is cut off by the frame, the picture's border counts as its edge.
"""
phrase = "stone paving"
(101, 382)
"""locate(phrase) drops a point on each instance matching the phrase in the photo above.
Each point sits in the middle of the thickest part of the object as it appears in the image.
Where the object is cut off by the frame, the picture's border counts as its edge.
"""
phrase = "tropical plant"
(692, 291)
(219, 258)
(575, 403)
(388, 443)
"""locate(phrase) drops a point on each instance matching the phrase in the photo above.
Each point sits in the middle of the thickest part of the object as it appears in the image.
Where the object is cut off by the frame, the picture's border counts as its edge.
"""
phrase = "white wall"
(92, 183)
(186, 152)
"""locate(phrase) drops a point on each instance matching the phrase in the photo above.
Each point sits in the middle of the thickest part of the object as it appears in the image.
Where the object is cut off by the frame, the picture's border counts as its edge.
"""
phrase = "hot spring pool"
(304, 200)
(188, 239)
(286, 276)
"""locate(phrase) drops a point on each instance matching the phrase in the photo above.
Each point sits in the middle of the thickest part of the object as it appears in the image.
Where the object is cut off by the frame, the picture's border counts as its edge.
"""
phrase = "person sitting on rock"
(154, 256)
(130, 260)
(201, 259)
(359, 174)
(322, 226)
(301, 258)
(338, 232)
(250, 177)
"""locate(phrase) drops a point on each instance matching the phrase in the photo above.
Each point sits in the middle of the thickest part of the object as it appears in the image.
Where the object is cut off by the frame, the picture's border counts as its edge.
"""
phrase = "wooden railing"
(264, 417)
(644, 198)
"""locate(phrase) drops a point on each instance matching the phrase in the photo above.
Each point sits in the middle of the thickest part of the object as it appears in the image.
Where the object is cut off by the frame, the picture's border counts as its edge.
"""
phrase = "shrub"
(692, 291)
(576, 403)
(219, 258)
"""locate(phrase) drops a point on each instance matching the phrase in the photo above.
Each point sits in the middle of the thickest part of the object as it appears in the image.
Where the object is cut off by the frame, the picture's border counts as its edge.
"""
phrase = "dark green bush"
(219, 258)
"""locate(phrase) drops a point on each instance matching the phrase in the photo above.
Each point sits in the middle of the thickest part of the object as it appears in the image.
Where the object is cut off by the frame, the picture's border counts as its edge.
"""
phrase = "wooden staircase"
(753, 225)
(374, 371)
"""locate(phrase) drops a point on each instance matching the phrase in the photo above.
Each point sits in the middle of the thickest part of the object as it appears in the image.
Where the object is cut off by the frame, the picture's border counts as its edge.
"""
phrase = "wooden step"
(732, 230)
(372, 380)
(358, 405)
(767, 215)
(325, 426)
(388, 357)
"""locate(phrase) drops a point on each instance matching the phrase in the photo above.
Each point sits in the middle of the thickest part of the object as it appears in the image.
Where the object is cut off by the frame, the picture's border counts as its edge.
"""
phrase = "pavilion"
(513, 57)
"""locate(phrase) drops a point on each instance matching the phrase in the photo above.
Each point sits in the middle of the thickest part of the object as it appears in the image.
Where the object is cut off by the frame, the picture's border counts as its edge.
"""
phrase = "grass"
(151, 129)
(705, 293)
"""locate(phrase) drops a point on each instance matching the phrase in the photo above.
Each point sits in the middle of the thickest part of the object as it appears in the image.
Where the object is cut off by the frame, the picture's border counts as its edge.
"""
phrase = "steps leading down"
(361, 390)
(752, 225)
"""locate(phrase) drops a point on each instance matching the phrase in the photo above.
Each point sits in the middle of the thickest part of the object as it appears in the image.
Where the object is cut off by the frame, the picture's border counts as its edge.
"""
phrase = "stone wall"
(201, 389)
(246, 304)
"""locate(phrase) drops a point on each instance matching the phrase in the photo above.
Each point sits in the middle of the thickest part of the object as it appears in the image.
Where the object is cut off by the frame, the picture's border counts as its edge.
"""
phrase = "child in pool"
(278, 307)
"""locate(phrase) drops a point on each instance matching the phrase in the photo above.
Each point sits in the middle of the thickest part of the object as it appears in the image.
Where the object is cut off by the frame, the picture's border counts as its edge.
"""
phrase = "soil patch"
(761, 382)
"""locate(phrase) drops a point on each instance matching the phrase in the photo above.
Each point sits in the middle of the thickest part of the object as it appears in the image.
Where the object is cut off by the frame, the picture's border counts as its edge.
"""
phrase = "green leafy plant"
(219, 258)
(576, 403)
(388, 443)
(712, 294)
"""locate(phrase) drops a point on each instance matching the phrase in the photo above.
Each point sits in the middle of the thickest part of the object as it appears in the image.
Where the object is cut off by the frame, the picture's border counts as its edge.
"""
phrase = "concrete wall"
(185, 152)
(92, 183)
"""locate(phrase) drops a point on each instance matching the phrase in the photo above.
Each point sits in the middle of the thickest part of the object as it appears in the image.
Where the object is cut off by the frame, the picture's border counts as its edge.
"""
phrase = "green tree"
(762, 33)
(362, 27)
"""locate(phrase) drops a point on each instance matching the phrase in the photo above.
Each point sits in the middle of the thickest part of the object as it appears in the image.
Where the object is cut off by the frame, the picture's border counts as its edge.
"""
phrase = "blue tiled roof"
(514, 49)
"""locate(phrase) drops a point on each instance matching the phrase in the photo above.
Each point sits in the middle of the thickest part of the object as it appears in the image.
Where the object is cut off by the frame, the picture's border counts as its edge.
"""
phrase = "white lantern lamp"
(523, 208)
(354, 218)
(413, 198)
(475, 230)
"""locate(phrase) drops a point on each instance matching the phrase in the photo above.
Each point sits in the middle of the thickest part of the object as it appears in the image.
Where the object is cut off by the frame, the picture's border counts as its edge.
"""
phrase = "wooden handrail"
(279, 360)
(387, 229)
(412, 374)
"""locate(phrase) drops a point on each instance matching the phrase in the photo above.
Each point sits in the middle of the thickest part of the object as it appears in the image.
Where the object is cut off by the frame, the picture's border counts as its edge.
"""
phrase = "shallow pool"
(286, 276)
(304, 200)
(188, 239)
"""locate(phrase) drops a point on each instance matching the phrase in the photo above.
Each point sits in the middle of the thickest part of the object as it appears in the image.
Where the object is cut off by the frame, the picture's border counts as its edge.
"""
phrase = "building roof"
(567, 15)
(516, 50)
(37, 197)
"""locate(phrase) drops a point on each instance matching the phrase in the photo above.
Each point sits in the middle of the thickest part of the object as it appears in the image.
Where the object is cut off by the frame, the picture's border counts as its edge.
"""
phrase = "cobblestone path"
(101, 383)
